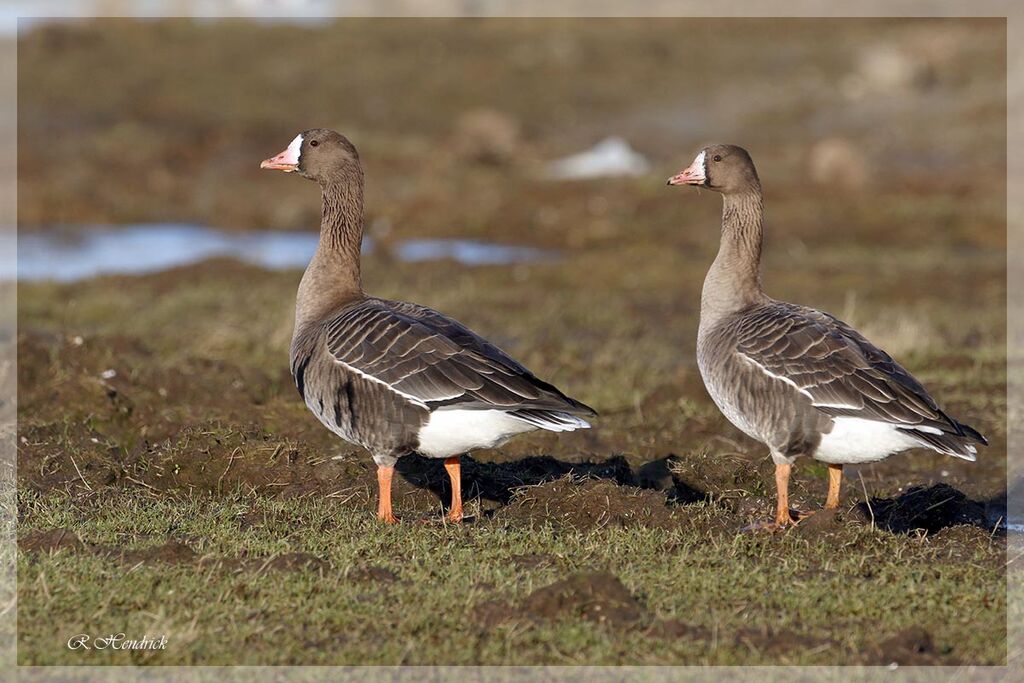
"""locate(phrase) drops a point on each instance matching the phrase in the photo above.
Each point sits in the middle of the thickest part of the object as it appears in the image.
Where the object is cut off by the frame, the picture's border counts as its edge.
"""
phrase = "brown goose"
(396, 377)
(796, 379)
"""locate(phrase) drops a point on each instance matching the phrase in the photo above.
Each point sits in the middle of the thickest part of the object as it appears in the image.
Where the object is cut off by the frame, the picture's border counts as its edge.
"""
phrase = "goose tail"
(960, 443)
(551, 420)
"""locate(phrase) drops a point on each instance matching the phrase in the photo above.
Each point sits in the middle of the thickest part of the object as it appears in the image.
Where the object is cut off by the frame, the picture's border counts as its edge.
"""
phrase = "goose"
(799, 380)
(394, 377)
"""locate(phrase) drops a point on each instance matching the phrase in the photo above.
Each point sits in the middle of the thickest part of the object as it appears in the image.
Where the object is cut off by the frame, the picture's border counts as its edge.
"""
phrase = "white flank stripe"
(836, 405)
(772, 374)
(359, 372)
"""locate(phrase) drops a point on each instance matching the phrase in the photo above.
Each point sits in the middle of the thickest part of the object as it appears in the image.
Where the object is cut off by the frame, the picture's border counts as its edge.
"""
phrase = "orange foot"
(388, 518)
(781, 523)
(454, 517)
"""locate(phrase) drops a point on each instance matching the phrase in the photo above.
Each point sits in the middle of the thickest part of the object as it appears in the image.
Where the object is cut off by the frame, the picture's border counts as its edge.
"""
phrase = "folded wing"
(843, 374)
(437, 362)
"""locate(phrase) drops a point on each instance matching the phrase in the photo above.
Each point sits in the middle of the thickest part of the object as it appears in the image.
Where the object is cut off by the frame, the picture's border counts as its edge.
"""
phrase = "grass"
(837, 600)
(212, 508)
(200, 430)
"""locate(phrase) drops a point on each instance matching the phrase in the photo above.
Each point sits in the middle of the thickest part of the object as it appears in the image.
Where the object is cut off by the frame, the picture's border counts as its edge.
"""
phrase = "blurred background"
(126, 121)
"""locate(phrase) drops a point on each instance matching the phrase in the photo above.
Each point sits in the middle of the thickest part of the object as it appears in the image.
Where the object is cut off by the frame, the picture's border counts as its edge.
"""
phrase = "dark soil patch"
(214, 458)
(661, 475)
(592, 596)
(722, 476)
(753, 508)
(924, 510)
(674, 629)
(205, 457)
(820, 523)
(497, 482)
(912, 646)
(251, 520)
(295, 562)
(589, 504)
(960, 543)
(492, 613)
(172, 552)
(73, 456)
(600, 597)
(778, 643)
(50, 540)
(117, 385)
(533, 560)
(372, 574)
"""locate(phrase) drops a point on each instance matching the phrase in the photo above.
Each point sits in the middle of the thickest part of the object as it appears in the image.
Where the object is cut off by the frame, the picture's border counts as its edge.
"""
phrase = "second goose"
(796, 379)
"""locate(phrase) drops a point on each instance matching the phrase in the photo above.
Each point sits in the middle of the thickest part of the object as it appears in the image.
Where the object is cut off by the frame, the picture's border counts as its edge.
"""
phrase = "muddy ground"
(171, 481)
(236, 482)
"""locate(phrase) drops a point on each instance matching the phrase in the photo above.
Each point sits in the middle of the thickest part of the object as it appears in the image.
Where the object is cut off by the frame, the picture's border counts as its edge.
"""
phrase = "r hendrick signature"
(116, 641)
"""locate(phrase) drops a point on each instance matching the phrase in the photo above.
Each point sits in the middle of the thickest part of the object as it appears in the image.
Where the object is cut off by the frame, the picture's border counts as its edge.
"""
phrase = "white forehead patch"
(699, 161)
(294, 150)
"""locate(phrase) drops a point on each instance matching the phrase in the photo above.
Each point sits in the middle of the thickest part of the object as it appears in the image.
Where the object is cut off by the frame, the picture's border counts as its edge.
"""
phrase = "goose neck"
(734, 280)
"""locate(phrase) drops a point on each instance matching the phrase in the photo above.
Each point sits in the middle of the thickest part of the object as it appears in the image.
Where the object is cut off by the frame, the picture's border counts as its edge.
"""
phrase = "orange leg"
(384, 512)
(452, 467)
(782, 517)
(835, 478)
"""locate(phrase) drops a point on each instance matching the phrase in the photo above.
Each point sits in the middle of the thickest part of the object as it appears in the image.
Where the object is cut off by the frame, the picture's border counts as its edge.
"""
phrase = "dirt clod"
(491, 613)
(819, 523)
(677, 630)
(589, 504)
(911, 646)
(592, 596)
(50, 540)
(296, 562)
(533, 560)
(372, 574)
(924, 509)
(172, 552)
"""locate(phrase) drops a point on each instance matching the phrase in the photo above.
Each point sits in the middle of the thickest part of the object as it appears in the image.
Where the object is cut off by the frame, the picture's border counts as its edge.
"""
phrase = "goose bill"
(286, 161)
(692, 174)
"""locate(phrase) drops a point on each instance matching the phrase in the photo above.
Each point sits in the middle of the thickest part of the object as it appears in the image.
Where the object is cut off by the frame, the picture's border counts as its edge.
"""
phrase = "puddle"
(73, 253)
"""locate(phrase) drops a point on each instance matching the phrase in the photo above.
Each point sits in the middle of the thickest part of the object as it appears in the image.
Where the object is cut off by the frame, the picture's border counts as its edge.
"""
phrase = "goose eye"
(718, 157)
(313, 143)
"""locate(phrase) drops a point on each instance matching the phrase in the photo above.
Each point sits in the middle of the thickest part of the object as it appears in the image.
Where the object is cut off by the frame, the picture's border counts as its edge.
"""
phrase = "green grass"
(846, 595)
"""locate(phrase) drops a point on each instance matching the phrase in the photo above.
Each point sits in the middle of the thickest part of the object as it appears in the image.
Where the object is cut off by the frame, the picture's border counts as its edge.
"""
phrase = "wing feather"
(435, 360)
(841, 372)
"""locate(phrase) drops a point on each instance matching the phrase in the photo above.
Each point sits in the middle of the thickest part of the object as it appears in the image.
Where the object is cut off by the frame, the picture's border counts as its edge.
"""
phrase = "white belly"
(453, 432)
(855, 440)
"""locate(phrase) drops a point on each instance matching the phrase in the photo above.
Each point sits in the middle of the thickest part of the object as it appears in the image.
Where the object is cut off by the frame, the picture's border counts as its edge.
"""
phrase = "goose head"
(723, 168)
(318, 154)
